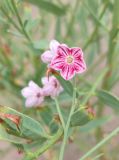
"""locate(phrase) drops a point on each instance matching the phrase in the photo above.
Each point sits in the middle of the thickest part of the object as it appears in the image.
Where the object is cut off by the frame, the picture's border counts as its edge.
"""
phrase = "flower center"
(38, 95)
(69, 59)
(55, 84)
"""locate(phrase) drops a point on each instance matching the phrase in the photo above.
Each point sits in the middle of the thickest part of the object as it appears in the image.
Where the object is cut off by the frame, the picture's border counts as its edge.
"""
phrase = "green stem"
(98, 156)
(110, 62)
(91, 38)
(112, 134)
(46, 146)
(20, 22)
(72, 19)
(61, 156)
(94, 17)
(10, 19)
(94, 87)
(95, 65)
(60, 113)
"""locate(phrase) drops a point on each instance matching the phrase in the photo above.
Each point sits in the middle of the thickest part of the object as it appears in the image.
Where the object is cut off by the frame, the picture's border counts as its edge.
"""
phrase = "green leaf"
(116, 14)
(66, 85)
(45, 146)
(82, 16)
(41, 45)
(31, 24)
(94, 124)
(7, 137)
(91, 55)
(79, 118)
(27, 125)
(46, 115)
(34, 145)
(114, 33)
(97, 20)
(94, 87)
(108, 99)
(93, 5)
(48, 6)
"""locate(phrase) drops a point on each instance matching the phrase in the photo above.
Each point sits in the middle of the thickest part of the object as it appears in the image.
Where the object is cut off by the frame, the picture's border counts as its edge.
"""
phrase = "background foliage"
(26, 27)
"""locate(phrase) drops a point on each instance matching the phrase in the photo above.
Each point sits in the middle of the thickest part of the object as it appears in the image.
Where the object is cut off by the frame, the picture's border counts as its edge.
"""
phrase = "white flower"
(48, 55)
(33, 94)
(51, 86)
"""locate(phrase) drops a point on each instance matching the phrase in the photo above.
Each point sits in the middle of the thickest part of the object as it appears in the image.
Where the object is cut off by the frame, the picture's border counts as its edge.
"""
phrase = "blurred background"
(27, 27)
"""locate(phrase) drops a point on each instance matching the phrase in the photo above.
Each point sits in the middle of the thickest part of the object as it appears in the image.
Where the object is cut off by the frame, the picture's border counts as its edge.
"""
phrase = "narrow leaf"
(108, 99)
(94, 124)
(48, 6)
(66, 85)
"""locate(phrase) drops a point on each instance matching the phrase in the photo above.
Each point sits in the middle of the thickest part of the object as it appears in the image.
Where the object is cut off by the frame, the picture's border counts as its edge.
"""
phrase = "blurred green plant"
(25, 28)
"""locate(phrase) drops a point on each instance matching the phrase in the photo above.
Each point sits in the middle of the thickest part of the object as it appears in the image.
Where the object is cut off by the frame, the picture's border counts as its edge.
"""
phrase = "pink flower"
(51, 87)
(33, 94)
(68, 61)
(48, 55)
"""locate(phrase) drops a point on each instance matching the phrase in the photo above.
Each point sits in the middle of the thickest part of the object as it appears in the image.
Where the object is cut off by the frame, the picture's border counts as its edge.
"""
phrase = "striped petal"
(67, 72)
(76, 51)
(63, 50)
(80, 66)
(57, 63)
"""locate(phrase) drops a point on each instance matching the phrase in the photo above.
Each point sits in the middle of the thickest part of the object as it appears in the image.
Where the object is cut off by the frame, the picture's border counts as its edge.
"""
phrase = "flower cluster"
(64, 59)
(35, 95)
(59, 57)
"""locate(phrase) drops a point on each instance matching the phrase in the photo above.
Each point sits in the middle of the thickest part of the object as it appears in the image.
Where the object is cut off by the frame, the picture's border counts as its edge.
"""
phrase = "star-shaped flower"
(68, 61)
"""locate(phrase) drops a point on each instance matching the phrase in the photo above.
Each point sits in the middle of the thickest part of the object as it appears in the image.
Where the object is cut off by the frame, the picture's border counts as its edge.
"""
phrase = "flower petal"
(47, 56)
(57, 63)
(31, 101)
(51, 87)
(63, 50)
(45, 80)
(56, 91)
(39, 101)
(53, 46)
(80, 66)
(33, 86)
(26, 92)
(76, 51)
(48, 89)
(67, 72)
